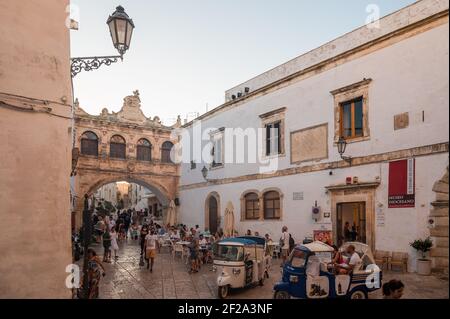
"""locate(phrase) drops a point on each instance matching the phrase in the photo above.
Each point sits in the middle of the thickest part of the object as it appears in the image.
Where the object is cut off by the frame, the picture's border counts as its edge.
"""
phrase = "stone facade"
(35, 139)
(439, 214)
(160, 177)
(369, 65)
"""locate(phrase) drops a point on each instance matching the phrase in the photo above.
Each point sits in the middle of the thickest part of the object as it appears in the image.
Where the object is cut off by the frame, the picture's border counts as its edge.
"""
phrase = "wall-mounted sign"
(381, 217)
(297, 196)
(401, 191)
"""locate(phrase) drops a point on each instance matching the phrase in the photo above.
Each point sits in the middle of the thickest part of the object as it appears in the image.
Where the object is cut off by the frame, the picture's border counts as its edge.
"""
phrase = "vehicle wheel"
(222, 291)
(358, 294)
(281, 295)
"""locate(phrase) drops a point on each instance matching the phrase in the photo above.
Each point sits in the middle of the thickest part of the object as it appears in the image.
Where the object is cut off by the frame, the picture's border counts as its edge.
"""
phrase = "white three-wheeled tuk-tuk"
(240, 262)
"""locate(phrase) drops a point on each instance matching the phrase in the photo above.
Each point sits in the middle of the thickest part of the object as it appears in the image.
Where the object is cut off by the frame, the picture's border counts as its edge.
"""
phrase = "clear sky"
(184, 54)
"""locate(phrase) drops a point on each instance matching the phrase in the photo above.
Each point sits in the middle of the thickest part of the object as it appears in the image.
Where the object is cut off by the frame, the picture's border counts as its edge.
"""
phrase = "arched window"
(165, 152)
(271, 205)
(144, 150)
(117, 147)
(251, 206)
(89, 144)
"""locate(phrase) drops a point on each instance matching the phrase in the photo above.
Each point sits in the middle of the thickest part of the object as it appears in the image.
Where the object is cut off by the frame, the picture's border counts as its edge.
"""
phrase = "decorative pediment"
(130, 112)
(131, 109)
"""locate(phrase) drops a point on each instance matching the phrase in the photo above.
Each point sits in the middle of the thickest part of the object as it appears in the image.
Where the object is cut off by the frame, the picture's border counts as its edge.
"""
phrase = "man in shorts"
(151, 244)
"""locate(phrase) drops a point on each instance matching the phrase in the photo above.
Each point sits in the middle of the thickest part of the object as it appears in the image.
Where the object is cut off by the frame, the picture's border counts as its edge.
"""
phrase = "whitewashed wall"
(410, 76)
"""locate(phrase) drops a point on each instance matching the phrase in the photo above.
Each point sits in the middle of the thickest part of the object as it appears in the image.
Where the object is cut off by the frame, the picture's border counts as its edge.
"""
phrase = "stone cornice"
(356, 161)
(102, 121)
(352, 186)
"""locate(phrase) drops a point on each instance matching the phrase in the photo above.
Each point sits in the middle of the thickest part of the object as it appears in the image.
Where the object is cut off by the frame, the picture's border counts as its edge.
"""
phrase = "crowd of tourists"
(194, 244)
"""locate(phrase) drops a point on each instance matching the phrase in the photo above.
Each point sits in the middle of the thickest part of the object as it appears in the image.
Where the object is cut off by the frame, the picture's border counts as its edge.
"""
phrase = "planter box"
(423, 267)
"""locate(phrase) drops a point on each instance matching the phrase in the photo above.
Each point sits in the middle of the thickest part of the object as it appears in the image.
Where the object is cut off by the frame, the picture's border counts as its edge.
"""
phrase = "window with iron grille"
(89, 144)
(144, 150)
(117, 147)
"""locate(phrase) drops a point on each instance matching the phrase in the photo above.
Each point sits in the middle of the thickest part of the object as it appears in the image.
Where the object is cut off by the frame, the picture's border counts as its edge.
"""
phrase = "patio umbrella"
(229, 220)
(171, 214)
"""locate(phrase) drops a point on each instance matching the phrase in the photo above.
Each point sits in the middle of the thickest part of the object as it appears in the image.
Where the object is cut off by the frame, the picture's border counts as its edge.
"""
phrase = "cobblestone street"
(170, 280)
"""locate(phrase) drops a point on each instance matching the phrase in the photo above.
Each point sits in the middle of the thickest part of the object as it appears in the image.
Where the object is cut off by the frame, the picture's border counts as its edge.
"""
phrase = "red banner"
(401, 184)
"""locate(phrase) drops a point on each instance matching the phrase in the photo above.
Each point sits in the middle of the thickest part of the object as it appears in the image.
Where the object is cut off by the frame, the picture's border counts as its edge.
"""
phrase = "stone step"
(441, 262)
(441, 221)
(439, 231)
(439, 252)
(441, 242)
(442, 197)
(440, 187)
(439, 212)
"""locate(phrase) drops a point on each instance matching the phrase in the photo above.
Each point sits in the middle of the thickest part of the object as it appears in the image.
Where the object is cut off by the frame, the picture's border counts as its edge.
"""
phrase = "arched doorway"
(212, 212)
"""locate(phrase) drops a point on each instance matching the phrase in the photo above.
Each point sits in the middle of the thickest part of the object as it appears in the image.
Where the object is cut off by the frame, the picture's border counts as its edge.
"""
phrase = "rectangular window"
(273, 138)
(351, 118)
(217, 151)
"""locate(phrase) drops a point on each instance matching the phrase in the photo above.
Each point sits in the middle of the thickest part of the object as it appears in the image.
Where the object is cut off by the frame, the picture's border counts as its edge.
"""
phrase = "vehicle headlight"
(236, 271)
(214, 268)
(293, 279)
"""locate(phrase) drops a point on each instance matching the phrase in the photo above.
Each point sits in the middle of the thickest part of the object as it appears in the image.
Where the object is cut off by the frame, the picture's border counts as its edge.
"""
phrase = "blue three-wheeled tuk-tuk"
(306, 274)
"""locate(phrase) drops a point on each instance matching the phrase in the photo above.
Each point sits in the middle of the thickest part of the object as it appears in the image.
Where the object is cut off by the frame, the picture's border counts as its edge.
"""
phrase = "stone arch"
(164, 187)
(216, 196)
(156, 188)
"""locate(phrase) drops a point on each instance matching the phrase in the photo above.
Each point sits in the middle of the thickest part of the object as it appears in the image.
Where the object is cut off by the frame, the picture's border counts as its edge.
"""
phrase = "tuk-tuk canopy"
(361, 248)
(316, 246)
(256, 239)
(244, 240)
(237, 240)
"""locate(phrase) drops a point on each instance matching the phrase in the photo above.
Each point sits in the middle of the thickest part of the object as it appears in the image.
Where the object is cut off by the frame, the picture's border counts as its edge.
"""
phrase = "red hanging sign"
(401, 184)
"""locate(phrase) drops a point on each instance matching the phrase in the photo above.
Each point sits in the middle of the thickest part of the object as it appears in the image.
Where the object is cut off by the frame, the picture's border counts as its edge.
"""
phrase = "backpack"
(291, 241)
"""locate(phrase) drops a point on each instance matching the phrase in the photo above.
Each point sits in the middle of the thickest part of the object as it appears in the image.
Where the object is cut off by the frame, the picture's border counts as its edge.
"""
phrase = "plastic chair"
(178, 248)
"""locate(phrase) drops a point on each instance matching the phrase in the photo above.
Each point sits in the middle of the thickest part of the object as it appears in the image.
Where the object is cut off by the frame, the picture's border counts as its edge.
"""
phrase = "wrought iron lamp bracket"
(92, 63)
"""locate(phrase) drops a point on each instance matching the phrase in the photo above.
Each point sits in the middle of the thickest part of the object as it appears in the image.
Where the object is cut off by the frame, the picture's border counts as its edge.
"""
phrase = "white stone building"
(385, 91)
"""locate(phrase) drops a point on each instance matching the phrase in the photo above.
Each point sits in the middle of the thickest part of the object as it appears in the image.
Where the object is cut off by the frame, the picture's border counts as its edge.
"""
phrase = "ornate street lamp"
(121, 29)
(342, 145)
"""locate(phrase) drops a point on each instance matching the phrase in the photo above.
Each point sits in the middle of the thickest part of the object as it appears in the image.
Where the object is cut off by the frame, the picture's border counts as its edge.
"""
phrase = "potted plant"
(423, 246)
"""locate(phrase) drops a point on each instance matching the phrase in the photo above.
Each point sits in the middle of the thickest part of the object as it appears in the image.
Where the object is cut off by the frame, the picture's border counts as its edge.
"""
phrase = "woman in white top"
(114, 245)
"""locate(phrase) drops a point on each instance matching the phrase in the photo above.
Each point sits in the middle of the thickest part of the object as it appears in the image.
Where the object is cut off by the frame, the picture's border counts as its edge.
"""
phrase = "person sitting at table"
(256, 234)
(249, 232)
(337, 256)
(161, 230)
